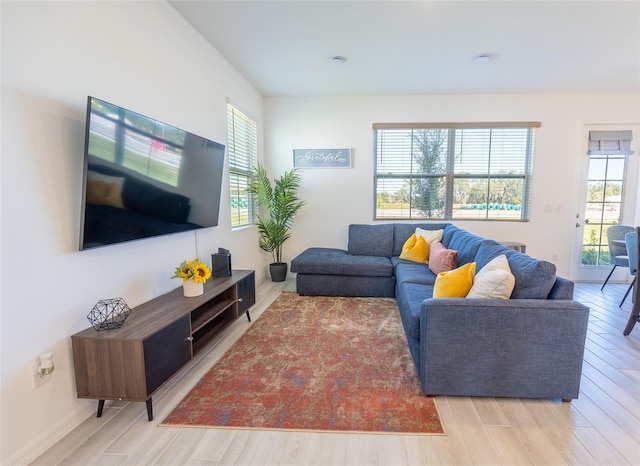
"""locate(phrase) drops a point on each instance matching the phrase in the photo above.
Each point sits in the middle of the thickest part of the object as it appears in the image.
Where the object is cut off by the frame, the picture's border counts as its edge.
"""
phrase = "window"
(136, 142)
(243, 155)
(453, 171)
(603, 207)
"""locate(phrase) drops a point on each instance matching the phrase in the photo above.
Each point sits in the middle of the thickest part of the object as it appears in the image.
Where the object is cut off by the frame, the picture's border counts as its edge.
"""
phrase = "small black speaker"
(221, 263)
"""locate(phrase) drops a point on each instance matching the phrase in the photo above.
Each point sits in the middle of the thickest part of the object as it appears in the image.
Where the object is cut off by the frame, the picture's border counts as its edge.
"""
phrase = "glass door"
(608, 197)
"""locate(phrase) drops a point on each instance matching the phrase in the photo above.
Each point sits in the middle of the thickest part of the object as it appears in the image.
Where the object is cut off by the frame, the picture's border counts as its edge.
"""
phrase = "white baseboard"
(53, 435)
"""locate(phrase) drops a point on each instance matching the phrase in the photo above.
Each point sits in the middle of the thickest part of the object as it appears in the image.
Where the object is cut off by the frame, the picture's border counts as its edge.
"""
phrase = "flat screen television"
(144, 178)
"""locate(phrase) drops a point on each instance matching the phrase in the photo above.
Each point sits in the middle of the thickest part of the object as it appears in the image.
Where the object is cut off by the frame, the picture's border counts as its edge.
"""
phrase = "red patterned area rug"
(315, 363)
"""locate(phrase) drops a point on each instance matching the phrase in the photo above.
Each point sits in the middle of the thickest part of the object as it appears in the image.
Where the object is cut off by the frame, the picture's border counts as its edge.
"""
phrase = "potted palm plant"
(279, 204)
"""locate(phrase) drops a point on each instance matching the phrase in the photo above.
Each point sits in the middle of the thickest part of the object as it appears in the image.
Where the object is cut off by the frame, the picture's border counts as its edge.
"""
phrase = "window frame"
(137, 162)
(449, 175)
(243, 157)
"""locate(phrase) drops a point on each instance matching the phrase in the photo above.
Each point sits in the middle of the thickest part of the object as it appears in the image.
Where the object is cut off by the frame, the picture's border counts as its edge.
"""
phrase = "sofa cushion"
(167, 206)
(442, 259)
(447, 234)
(455, 283)
(494, 280)
(415, 249)
(466, 244)
(534, 277)
(413, 272)
(371, 240)
(328, 261)
(410, 301)
(489, 250)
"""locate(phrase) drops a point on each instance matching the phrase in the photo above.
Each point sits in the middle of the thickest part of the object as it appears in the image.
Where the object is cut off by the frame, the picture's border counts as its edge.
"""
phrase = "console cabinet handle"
(189, 338)
(239, 300)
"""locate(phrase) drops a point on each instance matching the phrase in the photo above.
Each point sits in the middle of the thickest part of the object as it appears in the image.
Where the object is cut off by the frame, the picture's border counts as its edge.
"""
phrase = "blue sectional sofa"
(528, 346)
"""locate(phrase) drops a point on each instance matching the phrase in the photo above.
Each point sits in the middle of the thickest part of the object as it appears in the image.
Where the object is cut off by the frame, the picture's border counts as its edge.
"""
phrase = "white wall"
(338, 197)
(145, 57)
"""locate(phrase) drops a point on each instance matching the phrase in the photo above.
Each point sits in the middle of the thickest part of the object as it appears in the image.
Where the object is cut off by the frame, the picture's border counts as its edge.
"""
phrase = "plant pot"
(278, 271)
(191, 288)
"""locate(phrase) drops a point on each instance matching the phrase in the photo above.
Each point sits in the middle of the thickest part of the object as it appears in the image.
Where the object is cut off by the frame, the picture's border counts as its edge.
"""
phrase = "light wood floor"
(601, 427)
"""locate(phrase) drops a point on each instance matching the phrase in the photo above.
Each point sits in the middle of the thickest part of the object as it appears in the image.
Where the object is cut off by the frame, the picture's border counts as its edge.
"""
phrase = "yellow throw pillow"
(99, 192)
(113, 196)
(415, 249)
(96, 192)
(455, 283)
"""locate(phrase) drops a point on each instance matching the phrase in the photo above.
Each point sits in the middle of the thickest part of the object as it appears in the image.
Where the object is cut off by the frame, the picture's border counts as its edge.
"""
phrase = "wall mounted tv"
(144, 178)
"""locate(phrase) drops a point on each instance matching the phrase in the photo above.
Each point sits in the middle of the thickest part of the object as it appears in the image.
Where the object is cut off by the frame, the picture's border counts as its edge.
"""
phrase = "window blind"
(610, 142)
(476, 171)
(243, 154)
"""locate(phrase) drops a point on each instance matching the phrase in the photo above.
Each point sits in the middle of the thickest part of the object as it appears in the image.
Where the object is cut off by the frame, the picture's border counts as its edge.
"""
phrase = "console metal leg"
(150, 409)
(248, 316)
(100, 407)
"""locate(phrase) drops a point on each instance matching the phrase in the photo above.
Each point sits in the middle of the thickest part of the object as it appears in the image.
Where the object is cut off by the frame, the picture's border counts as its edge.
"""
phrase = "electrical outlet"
(39, 379)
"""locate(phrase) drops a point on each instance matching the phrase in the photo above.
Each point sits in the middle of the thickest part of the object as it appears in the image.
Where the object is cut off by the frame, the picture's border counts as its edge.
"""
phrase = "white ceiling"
(284, 48)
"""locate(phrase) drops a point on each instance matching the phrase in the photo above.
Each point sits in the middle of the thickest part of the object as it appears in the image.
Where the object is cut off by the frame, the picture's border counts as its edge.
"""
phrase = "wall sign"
(322, 158)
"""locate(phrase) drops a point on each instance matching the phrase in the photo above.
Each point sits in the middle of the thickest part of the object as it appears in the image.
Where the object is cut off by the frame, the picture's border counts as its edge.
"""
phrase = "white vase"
(191, 288)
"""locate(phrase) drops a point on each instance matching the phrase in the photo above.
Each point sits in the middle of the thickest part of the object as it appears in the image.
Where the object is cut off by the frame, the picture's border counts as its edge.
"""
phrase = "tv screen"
(145, 178)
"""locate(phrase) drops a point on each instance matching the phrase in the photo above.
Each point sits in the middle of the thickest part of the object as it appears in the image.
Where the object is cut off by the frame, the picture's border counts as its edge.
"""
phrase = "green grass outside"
(105, 149)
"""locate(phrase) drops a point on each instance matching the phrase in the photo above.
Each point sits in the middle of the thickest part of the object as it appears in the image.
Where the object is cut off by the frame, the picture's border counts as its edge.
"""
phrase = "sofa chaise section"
(335, 272)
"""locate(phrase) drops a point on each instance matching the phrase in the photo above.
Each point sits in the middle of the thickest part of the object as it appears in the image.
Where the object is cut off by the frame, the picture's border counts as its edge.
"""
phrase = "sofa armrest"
(525, 348)
(562, 289)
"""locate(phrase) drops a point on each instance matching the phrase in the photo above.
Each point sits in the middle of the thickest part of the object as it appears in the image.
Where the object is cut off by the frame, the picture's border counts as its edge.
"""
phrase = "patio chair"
(631, 241)
(635, 310)
(617, 248)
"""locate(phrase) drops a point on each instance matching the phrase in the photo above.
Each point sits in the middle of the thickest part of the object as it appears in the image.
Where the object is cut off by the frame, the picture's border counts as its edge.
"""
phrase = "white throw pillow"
(432, 237)
(494, 280)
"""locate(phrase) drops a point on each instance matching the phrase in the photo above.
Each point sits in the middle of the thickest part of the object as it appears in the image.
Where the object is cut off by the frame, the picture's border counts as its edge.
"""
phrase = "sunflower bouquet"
(194, 270)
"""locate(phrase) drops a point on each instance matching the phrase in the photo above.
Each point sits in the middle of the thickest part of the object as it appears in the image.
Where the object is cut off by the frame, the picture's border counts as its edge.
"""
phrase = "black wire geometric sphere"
(109, 314)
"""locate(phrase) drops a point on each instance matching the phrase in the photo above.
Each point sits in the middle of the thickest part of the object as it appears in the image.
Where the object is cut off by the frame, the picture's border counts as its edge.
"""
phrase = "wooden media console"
(158, 338)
